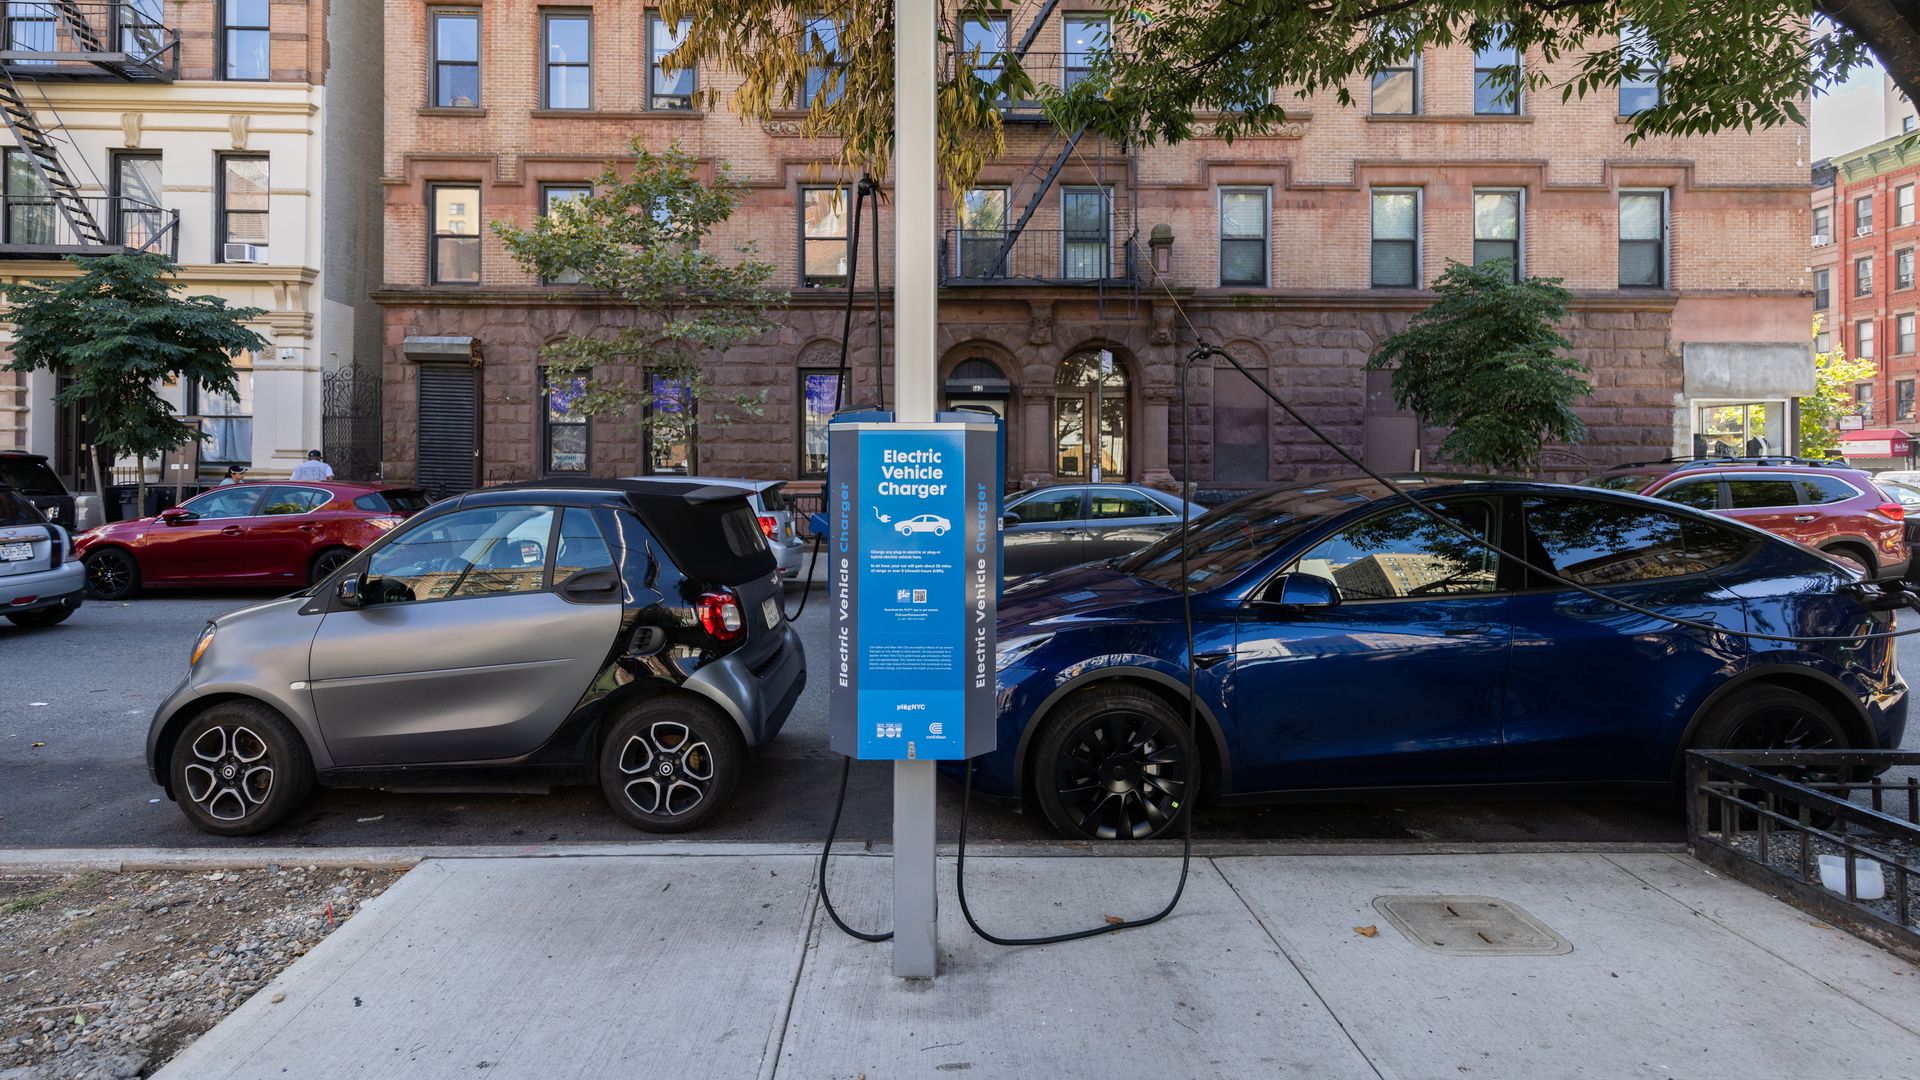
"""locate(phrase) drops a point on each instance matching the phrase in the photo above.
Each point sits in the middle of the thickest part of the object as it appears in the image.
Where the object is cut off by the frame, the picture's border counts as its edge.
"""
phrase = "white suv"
(41, 583)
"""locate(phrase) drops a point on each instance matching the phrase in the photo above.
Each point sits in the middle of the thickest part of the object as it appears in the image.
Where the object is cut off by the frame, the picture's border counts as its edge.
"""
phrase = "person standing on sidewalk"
(313, 468)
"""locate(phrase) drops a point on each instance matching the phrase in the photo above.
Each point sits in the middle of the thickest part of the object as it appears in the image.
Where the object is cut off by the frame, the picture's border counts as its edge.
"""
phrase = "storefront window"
(819, 396)
(1080, 389)
(1740, 429)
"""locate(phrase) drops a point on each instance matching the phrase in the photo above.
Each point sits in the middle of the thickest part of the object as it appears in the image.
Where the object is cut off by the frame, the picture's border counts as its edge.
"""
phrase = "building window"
(1084, 386)
(1863, 339)
(1903, 334)
(1863, 400)
(30, 211)
(1243, 236)
(564, 436)
(823, 238)
(668, 90)
(1903, 399)
(552, 195)
(669, 415)
(1496, 76)
(227, 421)
(137, 218)
(31, 28)
(455, 255)
(823, 83)
(1903, 269)
(244, 39)
(1643, 239)
(983, 233)
(1086, 236)
(1903, 205)
(1396, 239)
(243, 199)
(1822, 225)
(1822, 292)
(1087, 38)
(456, 59)
(1823, 342)
(1496, 230)
(1908, 122)
(1863, 276)
(568, 49)
(1396, 86)
(1640, 67)
(988, 37)
(819, 397)
(1863, 215)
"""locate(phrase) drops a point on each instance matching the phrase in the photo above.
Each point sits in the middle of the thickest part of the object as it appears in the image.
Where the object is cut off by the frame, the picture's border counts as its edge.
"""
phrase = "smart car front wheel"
(239, 768)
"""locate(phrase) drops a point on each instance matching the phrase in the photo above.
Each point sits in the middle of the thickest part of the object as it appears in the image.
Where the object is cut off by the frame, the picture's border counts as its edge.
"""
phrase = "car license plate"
(771, 610)
(15, 552)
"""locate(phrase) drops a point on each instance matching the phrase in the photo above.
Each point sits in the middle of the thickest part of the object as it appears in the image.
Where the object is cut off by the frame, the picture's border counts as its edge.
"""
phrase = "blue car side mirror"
(1297, 590)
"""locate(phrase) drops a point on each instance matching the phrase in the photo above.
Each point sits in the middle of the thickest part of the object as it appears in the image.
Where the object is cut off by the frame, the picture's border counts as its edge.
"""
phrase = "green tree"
(1487, 361)
(1834, 374)
(119, 331)
(641, 237)
(1181, 68)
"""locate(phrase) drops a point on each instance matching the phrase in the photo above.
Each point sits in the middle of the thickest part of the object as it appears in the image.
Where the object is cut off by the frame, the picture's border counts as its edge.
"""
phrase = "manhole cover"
(1470, 925)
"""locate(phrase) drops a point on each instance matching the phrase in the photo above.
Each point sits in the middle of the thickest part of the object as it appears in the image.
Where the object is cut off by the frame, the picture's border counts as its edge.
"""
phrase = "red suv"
(1826, 506)
(265, 533)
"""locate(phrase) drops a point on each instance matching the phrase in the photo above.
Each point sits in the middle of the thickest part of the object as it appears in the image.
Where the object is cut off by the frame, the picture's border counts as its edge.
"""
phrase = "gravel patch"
(107, 976)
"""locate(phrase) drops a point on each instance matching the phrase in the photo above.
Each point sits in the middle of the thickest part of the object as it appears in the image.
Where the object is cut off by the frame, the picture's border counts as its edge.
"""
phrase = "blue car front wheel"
(1115, 763)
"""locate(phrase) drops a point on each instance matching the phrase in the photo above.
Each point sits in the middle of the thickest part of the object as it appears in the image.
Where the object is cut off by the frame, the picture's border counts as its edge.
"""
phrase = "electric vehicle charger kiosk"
(913, 530)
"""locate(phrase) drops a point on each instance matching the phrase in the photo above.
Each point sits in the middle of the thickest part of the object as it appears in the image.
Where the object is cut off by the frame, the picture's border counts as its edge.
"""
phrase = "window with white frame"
(1641, 63)
(1643, 239)
(1243, 236)
(1903, 205)
(554, 195)
(1396, 84)
(1863, 214)
(1903, 334)
(823, 237)
(1863, 276)
(670, 90)
(1863, 339)
(1903, 269)
(1496, 230)
(1395, 222)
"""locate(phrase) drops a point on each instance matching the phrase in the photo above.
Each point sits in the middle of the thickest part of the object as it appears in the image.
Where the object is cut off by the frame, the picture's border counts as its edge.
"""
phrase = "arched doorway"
(1091, 382)
(978, 383)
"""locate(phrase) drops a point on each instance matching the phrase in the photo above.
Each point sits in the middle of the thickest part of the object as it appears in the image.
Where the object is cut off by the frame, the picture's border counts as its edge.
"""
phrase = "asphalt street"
(75, 701)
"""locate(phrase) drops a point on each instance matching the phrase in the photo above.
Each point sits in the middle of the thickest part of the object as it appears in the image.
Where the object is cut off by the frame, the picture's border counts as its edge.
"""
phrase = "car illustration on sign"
(932, 523)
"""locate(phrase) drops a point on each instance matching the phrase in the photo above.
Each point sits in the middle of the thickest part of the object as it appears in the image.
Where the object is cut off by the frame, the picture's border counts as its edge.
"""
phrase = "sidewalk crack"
(777, 1038)
(1298, 970)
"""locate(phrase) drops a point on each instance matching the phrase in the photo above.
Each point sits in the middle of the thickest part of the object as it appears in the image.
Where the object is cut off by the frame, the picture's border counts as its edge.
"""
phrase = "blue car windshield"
(1230, 539)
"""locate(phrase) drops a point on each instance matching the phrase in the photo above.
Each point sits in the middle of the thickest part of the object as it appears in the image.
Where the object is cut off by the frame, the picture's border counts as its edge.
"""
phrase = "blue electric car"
(1345, 642)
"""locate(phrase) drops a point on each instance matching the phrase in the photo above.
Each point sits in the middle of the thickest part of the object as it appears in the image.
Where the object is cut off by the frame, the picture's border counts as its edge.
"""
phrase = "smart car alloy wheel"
(670, 763)
(239, 768)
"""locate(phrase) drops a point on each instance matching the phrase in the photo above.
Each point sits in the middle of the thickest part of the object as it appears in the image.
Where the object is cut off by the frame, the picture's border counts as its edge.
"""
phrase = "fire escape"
(43, 212)
(1070, 217)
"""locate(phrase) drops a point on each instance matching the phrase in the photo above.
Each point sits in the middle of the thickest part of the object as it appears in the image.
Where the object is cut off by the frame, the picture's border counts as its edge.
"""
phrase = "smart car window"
(229, 502)
(1405, 553)
(1600, 543)
(485, 551)
(1703, 494)
(581, 545)
(1120, 503)
(292, 500)
(1750, 494)
(1815, 490)
(1049, 506)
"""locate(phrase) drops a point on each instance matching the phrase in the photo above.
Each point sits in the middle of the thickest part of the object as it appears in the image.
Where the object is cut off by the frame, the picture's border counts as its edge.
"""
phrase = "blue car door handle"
(1469, 631)
(1208, 659)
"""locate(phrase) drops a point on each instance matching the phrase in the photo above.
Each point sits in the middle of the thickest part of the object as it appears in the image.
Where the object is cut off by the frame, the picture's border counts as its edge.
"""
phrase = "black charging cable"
(806, 586)
(839, 804)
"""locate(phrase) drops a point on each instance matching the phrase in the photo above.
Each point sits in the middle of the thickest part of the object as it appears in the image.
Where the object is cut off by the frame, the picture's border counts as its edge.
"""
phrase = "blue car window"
(1405, 553)
(1600, 543)
(1232, 538)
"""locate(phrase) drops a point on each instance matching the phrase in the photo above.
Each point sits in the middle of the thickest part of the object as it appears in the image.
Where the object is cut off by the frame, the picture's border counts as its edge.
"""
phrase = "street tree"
(1178, 69)
(1488, 361)
(117, 333)
(1834, 376)
(642, 236)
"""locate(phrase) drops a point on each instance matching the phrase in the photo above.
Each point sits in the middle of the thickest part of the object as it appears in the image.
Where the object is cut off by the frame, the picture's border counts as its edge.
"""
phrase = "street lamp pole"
(915, 323)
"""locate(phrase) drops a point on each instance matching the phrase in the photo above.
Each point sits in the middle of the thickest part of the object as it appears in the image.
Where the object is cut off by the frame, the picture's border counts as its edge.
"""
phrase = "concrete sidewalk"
(723, 965)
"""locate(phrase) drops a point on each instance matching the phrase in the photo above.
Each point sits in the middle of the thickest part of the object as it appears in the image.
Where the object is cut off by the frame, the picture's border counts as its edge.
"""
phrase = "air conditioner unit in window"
(1864, 230)
(242, 253)
(1821, 239)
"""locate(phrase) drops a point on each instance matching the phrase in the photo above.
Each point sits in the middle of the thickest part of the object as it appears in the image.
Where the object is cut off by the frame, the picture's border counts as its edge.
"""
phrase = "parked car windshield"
(15, 510)
(30, 475)
(1228, 540)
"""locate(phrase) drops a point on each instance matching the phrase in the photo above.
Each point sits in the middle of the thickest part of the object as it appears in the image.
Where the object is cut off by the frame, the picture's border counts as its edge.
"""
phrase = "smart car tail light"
(720, 615)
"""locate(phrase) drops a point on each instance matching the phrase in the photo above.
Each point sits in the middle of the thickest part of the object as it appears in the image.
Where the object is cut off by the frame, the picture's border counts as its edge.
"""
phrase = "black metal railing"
(80, 38)
(1057, 70)
(1044, 256)
(1767, 817)
(39, 226)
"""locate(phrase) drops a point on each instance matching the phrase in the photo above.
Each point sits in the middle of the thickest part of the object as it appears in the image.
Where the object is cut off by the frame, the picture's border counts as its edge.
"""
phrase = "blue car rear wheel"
(1115, 764)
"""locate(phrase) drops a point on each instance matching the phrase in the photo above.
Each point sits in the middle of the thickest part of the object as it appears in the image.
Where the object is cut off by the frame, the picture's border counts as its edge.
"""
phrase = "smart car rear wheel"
(239, 768)
(1115, 764)
(111, 574)
(670, 764)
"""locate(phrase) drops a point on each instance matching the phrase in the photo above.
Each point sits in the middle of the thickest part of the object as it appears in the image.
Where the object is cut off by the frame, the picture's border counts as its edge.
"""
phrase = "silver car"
(1068, 524)
(769, 508)
(41, 583)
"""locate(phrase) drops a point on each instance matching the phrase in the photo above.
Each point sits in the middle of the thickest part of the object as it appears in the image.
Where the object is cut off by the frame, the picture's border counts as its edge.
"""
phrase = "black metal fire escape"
(997, 255)
(66, 40)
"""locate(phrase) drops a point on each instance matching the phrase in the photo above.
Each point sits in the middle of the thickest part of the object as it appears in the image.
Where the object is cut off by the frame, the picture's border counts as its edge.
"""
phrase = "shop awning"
(1876, 442)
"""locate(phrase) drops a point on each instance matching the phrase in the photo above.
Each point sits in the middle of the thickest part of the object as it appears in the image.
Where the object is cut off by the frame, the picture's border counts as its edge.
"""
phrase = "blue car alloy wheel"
(1117, 764)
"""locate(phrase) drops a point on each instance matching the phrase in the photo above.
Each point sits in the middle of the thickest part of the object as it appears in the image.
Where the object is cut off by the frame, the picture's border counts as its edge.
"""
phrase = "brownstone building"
(1299, 250)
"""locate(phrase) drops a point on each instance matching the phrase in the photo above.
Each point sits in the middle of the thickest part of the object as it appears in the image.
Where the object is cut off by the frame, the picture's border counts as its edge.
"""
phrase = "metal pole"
(915, 320)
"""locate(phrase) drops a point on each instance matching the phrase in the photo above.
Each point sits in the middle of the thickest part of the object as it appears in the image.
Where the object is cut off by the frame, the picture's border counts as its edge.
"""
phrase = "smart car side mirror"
(350, 592)
(1297, 590)
(177, 515)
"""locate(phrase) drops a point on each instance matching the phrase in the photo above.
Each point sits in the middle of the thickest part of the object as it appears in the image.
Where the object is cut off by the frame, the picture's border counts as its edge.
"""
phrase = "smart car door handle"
(1469, 631)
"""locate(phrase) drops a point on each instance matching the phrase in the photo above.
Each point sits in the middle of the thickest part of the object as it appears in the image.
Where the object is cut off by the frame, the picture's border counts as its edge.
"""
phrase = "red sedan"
(264, 533)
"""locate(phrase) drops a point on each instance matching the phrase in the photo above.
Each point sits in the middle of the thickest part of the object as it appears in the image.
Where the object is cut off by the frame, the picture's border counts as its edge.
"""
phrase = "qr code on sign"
(919, 596)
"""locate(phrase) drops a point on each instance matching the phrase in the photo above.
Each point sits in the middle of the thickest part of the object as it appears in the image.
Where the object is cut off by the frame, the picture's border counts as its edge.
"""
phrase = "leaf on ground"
(1366, 931)
(39, 744)
(1115, 920)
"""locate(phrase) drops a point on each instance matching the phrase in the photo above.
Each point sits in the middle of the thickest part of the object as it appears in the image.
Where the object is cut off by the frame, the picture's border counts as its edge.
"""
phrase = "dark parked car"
(624, 633)
(1346, 642)
(1823, 505)
(1068, 524)
(279, 532)
(40, 580)
(30, 475)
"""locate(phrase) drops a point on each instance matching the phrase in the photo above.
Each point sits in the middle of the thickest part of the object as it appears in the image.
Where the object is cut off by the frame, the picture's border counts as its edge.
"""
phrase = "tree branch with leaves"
(1834, 375)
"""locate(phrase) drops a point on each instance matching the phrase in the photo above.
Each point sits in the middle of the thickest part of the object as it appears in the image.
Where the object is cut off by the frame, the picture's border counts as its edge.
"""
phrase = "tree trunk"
(140, 486)
(1891, 29)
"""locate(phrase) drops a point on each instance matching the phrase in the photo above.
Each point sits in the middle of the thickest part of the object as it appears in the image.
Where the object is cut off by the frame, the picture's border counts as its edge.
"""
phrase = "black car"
(1068, 524)
(624, 632)
(30, 476)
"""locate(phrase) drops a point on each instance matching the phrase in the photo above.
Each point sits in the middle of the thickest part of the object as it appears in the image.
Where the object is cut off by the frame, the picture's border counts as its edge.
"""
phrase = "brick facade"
(1877, 174)
(1736, 275)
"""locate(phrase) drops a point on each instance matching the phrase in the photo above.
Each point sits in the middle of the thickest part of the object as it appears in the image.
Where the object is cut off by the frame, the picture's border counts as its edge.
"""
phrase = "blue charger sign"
(914, 516)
